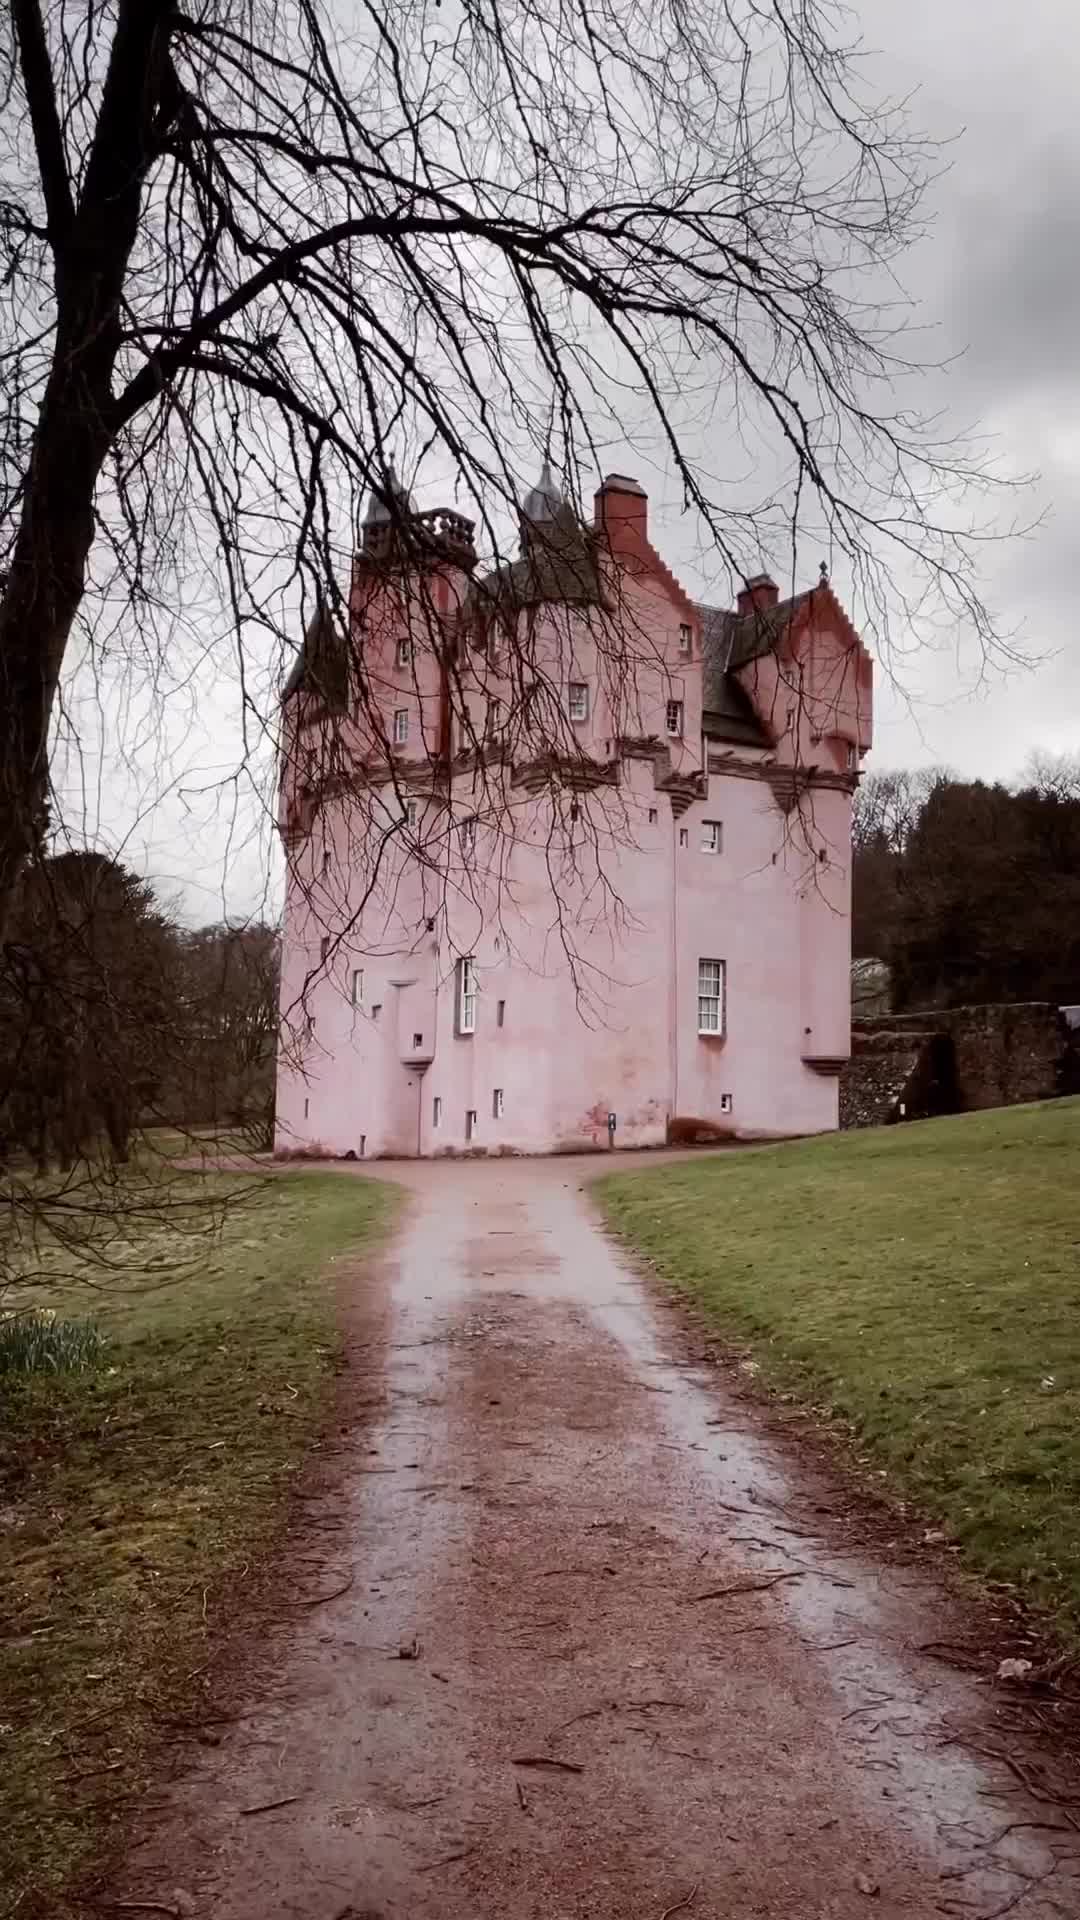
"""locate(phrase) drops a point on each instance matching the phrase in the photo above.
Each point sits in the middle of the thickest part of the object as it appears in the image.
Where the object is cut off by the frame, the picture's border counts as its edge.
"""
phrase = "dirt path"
(537, 1515)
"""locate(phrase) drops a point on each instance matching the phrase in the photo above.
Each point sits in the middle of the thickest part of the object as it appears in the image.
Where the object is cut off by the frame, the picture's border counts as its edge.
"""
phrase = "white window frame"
(466, 994)
(674, 718)
(358, 986)
(498, 1103)
(686, 641)
(712, 836)
(577, 701)
(712, 998)
(404, 653)
(401, 726)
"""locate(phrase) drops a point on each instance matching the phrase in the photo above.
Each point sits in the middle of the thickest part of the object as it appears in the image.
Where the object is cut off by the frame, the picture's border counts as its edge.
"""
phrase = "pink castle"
(568, 854)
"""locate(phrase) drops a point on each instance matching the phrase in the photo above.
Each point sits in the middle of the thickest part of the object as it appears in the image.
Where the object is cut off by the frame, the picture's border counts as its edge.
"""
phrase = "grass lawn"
(923, 1282)
(131, 1492)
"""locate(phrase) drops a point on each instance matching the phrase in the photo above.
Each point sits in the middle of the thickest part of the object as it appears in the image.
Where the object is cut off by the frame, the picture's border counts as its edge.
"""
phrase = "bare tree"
(248, 249)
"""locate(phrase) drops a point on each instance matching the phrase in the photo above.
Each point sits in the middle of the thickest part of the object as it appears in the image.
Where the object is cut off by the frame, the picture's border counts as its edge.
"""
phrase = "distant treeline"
(971, 892)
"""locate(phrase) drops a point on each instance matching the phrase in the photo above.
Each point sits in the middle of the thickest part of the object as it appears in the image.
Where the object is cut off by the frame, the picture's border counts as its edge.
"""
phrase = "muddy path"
(587, 1647)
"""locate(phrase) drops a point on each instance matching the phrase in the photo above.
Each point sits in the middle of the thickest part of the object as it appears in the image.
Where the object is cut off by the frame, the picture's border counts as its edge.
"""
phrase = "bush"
(37, 1342)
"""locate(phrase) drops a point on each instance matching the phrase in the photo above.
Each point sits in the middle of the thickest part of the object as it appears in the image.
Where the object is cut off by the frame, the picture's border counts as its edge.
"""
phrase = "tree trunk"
(91, 244)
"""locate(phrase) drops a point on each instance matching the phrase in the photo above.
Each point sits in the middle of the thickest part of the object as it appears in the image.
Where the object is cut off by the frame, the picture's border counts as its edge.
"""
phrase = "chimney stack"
(758, 594)
(621, 511)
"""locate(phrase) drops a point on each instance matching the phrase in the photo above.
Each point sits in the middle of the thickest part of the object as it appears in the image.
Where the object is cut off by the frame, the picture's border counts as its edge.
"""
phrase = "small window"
(410, 813)
(470, 1124)
(401, 726)
(404, 653)
(436, 1111)
(307, 1108)
(712, 836)
(309, 1026)
(578, 700)
(324, 949)
(710, 1004)
(327, 862)
(376, 1010)
(725, 1103)
(466, 996)
(673, 719)
(467, 831)
(852, 757)
(492, 718)
(684, 836)
(500, 1012)
(418, 1041)
(358, 987)
(363, 1145)
(497, 1103)
(653, 816)
(686, 641)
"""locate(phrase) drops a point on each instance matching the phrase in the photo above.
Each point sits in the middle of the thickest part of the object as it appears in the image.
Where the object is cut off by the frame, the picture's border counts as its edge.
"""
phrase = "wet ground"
(577, 1641)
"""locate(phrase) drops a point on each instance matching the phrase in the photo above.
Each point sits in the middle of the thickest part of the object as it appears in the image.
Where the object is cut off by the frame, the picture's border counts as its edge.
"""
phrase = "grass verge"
(131, 1492)
(923, 1283)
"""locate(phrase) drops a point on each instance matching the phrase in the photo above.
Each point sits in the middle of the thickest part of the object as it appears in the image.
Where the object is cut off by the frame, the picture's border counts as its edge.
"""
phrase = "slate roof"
(322, 664)
(729, 640)
(558, 562)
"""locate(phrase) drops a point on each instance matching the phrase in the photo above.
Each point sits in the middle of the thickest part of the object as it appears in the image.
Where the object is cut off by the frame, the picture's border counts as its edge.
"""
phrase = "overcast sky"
(998, 276)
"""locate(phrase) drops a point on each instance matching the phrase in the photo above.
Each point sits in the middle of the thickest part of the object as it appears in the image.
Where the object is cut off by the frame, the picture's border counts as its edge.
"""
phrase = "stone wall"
(957, 1059)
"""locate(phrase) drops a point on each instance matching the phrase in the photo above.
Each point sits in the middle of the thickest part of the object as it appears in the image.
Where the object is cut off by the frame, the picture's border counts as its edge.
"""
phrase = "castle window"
(500, 1012)
(307, 1108)
(711, 1010)
(686, 641)
(684, 836)
(410, 813)
(712, 836)
(852, 757)
(497, 1103)
(327, 861)
(468, 836)
(653, 816)
(358, 987)
(401, 726)
(418, 1041)
(466, 995)
(470, 1124)
(577, 700)
(324, 949)
(673, 719)
(376, 1010)
(404, 653)
(436, 1111)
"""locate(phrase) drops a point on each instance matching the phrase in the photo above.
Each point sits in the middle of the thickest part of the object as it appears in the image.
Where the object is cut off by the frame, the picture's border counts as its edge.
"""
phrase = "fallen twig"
(139, 1906)
(321, 1598)
(688, 1901)
(588, 1713)
(447, 1860)
(267, 1806)
(545, 1760)
(749, 1586)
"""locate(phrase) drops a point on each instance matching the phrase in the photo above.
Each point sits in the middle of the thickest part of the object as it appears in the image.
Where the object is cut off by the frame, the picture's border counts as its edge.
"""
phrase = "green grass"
(134, 1492)
(923, 1283)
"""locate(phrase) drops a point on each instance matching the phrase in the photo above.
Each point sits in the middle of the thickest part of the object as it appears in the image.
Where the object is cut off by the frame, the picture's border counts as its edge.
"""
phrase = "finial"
(824, 572)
